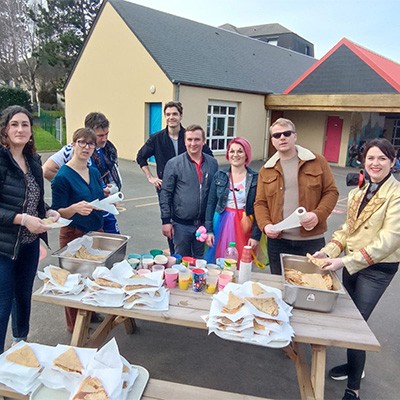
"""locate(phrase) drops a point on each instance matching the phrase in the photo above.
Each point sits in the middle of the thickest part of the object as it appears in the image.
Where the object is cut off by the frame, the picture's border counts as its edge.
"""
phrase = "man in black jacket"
(165, 145)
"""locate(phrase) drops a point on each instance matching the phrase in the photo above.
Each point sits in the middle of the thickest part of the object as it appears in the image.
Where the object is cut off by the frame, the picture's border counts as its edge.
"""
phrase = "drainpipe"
(266, 134)
(177, 86)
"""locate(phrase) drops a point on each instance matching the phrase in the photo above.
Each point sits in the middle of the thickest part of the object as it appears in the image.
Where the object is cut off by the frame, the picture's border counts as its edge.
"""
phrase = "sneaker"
(340, 373)
(350, 395)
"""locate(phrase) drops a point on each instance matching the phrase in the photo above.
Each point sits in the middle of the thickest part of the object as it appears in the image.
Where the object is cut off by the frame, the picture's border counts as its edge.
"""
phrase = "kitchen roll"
(107, 204)
(292, 221)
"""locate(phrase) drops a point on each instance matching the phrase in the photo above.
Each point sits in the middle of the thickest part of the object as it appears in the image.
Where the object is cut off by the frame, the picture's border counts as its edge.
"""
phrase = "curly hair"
(5, 118)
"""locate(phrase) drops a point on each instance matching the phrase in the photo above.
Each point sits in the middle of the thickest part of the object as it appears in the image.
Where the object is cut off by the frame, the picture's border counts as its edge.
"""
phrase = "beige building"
(136, 59)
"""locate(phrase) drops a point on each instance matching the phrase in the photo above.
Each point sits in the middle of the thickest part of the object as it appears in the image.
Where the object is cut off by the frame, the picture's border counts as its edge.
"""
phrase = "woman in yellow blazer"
(370, 240)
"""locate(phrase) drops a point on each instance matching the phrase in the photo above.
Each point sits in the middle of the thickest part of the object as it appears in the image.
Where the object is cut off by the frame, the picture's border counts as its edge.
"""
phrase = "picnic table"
(343, 327)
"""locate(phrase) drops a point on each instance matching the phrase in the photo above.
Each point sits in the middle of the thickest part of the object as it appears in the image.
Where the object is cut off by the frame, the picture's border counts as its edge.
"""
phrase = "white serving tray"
(44, 393)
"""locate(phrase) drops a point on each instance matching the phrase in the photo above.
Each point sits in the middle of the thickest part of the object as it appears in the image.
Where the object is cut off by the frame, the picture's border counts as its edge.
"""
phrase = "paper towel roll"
(292, 221)
(115, 198)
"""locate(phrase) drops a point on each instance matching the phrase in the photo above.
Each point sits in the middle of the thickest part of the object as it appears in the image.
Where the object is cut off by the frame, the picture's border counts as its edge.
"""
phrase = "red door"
(332, 139)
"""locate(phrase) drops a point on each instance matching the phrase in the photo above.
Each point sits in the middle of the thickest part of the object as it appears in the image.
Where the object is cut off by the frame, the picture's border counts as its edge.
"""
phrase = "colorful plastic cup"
(213, 266)
(213, 272)
(171, 277)
(147, 263)
(199, 279)
(188, 261)
(223, 280)
(156, 252)
(201, 263)
(178, 258)
(158, 267)
(143, 271)
(220, 262)
(171, 261)
(184, 279)
(161, 259)
(211, 283)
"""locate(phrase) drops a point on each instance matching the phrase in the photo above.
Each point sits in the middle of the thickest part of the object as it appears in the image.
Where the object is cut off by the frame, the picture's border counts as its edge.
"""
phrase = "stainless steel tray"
(114, 243)
(309, 298)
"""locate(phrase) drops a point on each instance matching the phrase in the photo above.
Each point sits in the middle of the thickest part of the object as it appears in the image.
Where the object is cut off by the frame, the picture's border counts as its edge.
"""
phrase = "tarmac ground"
(192, 357)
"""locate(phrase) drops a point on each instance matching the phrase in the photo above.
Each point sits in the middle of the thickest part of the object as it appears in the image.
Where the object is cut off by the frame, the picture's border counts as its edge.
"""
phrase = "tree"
(63, 26)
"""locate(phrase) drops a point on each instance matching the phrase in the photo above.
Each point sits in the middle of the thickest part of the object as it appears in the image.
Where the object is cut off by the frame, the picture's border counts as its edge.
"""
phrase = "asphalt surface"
(190, 356)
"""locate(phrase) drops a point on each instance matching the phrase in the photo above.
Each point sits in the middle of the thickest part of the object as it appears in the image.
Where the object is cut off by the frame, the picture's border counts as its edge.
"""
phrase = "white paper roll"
(115, 198)
(292, 221)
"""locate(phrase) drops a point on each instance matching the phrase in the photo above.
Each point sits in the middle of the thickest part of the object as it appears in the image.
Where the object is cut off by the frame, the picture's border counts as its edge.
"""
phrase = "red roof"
(385, 68)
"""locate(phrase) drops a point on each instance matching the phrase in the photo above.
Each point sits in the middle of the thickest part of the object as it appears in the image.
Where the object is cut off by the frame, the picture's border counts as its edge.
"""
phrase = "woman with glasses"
(370, 241)
(73, 188)
(22, 209)
(230, 211)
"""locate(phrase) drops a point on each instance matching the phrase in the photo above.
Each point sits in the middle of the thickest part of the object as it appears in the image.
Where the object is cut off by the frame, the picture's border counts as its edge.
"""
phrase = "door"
(333, 137)
(155, 117)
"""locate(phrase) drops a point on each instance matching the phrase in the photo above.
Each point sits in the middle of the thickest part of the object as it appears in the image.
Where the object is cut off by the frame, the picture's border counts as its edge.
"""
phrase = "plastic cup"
(178, 258)
(188, 261)
(213, 266)
(143, 271)
(156, 252)
(161, 259)
(184, 279)
(158, 267)
(223, 280)
(211, 283)
(213, 272)
(171, 277)
(147, 263)
(146, 255)
(199, 279)
(220, 262)
(134, 255)
(171, 261)
(134, 262)
(201, 263)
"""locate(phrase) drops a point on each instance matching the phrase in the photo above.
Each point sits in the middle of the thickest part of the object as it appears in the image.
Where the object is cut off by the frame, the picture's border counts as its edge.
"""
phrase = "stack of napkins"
(60, 281)
(20, 367)
(104, 290)
(252, 313)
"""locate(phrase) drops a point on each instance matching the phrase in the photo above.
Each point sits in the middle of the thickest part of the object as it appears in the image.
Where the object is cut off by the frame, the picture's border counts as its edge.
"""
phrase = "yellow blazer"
(373, 236)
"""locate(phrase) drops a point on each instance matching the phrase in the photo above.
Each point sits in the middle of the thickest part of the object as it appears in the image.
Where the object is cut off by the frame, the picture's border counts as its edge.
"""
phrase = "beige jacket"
(373, 236)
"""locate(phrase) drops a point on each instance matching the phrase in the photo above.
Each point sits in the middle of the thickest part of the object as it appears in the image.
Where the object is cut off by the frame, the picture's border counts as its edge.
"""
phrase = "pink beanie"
(246, 147)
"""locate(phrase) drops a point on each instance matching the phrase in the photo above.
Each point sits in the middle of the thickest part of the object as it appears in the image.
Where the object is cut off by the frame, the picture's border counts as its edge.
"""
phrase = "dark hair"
(195, 127)
(383, 145)
(5, 118)
(176, 104)
(84, 133)
(96, 120)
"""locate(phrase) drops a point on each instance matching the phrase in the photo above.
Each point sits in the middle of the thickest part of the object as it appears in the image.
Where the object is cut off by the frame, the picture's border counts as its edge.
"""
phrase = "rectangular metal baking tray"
(309, 298)
(114, 243)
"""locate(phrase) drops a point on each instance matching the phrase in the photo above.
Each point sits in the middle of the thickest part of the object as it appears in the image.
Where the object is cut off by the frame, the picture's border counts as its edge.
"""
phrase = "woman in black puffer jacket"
(21, 209)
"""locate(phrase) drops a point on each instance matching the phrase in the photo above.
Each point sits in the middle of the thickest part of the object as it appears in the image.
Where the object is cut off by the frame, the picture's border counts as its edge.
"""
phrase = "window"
(396, 133)
(221, 124)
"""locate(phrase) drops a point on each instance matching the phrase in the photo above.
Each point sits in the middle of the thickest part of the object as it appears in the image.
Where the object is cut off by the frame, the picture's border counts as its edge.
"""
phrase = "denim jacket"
(218, 198)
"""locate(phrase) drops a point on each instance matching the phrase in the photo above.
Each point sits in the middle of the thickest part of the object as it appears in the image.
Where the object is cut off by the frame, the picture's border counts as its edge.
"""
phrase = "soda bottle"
(231, 257)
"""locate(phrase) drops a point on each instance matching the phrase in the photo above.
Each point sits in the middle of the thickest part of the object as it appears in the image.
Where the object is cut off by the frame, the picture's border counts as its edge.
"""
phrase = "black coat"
(13, 197)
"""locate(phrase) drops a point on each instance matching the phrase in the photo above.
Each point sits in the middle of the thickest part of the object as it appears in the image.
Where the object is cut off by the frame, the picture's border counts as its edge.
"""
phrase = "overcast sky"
(373, 24)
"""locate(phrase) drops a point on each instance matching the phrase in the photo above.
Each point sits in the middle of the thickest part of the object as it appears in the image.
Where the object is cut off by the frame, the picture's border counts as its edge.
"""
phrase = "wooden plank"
(318, 370)
(163, 390)
(81, 328)
(303, 372)
(100, 334)
(12, 394)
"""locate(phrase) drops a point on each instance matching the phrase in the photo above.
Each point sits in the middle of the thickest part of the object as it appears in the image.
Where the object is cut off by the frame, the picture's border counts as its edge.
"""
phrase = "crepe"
(83, 253)
(319, 262)
(59, 275)
(257, 289)
(47, 221)
(24, 356)
(135, 287)
(316, 281)
(69, 361)
(267, 305)
(107, 283)
(91, 389)
(234, 304)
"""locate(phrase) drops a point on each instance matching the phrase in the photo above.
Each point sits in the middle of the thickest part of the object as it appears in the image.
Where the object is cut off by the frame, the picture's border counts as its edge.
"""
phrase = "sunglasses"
(277, 135)
(83, 144)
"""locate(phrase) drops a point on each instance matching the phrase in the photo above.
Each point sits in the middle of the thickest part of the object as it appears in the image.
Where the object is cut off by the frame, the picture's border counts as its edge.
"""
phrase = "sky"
(372, 24)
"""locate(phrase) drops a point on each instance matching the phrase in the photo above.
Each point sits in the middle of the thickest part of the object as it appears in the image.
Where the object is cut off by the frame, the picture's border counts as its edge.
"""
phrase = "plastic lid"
(232, 244)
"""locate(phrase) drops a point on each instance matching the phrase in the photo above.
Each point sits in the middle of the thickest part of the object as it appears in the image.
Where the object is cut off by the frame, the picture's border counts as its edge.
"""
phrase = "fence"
(52, 124)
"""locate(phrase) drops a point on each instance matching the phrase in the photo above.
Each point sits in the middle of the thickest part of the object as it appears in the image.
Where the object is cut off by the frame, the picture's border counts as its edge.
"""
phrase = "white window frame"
(396, 133)
(211, 117)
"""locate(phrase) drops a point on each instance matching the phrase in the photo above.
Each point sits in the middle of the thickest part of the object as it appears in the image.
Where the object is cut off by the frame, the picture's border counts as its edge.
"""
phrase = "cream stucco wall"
(251, 117)
(114, 76)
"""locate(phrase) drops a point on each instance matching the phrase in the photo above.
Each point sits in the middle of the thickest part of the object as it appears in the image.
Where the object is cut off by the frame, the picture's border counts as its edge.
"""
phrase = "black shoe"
(96, 318)
(340, 373)
(350, 395)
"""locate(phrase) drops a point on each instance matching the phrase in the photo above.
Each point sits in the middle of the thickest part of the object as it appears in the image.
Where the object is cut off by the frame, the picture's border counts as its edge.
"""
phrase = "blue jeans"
(297, 247)
(365, 288)
(185, 241)
(110, 223)
(16, 283)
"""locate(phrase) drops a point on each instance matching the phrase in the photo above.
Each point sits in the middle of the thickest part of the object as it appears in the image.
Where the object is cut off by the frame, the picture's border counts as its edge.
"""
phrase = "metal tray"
(309, 298)
(44, 393)
(114, 243)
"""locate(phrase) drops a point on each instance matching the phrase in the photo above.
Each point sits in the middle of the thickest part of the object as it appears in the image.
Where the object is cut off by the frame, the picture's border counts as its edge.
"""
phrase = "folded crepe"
(59, 275)
(234, 304)
(267, 305)
(84, 254)
(24, 356)
(107, 283)
(316, 281)
(257, 289)
(319, 262)
(69, 361)
(91, 389)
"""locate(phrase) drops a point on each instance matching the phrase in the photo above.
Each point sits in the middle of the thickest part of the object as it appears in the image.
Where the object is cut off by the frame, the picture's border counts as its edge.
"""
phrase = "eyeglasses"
(277, 135)
(84, 143)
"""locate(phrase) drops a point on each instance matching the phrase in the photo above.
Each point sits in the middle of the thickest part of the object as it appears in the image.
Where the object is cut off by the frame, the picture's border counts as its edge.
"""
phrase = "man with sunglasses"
(293, 177)
(104, 158)
(163, 146)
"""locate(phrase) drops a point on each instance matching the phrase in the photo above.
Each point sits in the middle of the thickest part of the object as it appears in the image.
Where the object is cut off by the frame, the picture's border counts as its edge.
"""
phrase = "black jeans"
(365, 288)
(297, 247)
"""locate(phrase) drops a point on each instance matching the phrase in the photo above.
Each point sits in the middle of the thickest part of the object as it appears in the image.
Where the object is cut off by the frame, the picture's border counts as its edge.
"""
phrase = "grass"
(45, 141)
